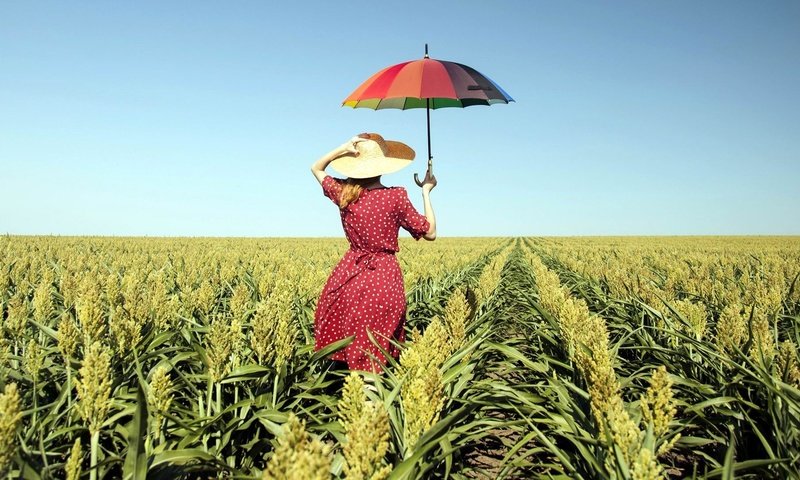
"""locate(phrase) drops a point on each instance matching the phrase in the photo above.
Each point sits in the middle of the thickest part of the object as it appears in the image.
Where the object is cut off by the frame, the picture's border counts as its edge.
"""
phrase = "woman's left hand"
(430, 182)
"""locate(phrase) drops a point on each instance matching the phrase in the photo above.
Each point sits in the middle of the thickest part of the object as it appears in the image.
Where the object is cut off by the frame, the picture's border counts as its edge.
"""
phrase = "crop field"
(594, 358)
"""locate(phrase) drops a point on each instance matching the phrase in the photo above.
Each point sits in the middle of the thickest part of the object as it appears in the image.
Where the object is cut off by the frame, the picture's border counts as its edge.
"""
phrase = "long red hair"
(352, 190)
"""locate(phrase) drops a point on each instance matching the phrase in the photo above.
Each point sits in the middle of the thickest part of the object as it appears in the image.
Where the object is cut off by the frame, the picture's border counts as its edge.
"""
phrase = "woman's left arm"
(318, 168)
(427, 185)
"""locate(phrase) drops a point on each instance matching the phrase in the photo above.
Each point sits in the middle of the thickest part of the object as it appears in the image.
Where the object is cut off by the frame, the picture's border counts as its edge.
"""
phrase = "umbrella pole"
(428, 117)
(430, 156)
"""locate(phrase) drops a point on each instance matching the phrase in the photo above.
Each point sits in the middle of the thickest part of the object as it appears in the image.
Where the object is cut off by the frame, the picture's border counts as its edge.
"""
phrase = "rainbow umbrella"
(428, 84)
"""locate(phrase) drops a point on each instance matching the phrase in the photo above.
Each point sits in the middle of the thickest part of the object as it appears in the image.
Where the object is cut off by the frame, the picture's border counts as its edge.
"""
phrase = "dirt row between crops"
(485, 460)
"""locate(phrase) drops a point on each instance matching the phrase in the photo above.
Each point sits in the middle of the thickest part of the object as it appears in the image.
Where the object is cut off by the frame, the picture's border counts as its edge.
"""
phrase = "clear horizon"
(159, 120)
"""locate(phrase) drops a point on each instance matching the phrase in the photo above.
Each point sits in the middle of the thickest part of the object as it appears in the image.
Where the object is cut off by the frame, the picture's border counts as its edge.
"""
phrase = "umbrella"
(428, 84)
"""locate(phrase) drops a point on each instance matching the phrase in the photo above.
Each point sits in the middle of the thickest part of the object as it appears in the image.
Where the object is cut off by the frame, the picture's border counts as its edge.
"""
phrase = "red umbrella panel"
(429, 84)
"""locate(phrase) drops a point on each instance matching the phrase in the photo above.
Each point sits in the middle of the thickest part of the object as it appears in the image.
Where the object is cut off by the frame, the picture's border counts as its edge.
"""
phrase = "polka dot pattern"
(364, 292)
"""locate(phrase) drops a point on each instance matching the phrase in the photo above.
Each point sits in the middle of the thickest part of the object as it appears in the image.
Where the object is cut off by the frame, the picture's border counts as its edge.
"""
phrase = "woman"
(364, 293)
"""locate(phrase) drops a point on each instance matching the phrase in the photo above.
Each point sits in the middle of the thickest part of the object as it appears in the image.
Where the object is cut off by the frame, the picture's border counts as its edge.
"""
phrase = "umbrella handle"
(430, 169)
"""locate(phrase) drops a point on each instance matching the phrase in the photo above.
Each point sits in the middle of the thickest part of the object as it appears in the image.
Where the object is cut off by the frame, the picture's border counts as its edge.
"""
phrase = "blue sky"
(202, 118)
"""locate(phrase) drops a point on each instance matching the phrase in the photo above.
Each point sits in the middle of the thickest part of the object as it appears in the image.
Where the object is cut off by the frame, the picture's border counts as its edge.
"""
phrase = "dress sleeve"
(410, 219)
(332, 188)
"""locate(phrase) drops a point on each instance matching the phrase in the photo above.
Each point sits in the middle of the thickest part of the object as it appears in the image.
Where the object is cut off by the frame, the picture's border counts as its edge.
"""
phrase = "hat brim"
(367, 165)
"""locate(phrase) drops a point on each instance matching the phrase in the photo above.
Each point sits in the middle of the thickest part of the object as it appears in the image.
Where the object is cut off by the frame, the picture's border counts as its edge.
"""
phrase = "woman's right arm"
(427, 185)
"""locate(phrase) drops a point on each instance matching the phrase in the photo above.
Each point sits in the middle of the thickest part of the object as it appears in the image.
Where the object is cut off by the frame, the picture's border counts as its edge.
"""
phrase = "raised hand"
(351, 146)
(429, 182)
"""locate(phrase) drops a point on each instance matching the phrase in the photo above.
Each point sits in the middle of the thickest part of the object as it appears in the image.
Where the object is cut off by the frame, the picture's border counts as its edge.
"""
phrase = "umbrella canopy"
(426, 83)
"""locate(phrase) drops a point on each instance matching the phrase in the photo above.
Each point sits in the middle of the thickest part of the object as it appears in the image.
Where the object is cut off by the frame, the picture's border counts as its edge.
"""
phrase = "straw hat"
(376, 156)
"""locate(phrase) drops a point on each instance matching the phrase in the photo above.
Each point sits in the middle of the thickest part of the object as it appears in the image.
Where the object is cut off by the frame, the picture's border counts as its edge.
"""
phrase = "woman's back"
(372, 222)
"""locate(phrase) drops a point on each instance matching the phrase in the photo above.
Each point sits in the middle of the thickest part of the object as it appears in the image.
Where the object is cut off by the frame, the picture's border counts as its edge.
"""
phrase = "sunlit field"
(607, 357)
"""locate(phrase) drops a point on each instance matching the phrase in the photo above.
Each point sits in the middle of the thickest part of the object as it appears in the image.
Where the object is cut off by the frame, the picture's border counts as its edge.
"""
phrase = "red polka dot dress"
(365, 290)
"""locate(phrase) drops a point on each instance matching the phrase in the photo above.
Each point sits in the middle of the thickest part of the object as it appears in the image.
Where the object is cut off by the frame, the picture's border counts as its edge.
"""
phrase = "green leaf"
(179, 457)
(246, 372)
(729, 468)
(712, 402)
(332, 348)
(755, 464)
(135, 467)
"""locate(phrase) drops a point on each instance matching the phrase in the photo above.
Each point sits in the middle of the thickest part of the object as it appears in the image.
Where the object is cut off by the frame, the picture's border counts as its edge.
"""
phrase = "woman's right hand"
(350, 147)
(429, 182)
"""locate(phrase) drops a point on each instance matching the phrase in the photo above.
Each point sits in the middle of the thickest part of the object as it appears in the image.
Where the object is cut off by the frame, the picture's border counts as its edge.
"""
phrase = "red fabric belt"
(364, 261)
(365, 258)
